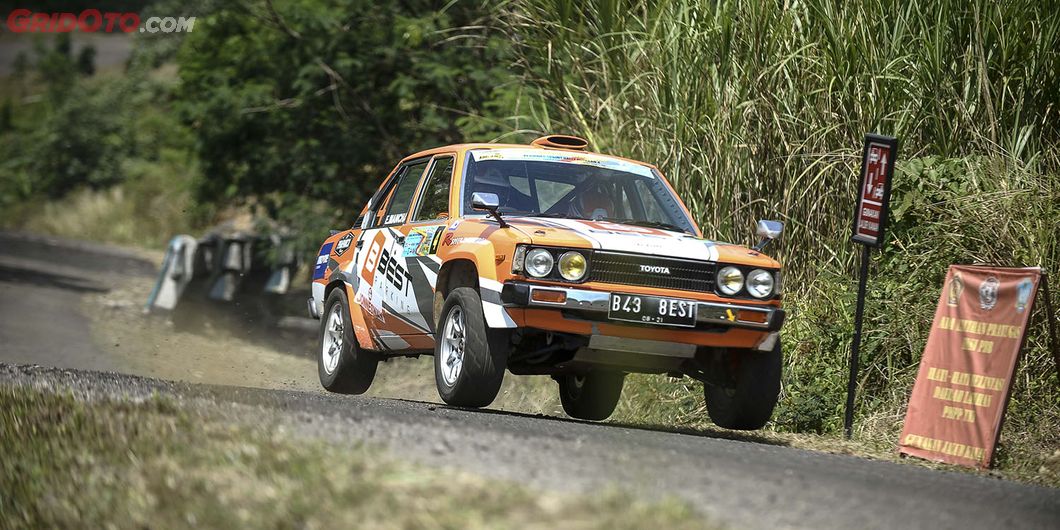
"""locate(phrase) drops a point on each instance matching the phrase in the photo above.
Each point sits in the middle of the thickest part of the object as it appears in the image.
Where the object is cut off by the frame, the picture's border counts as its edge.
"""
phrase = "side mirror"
(485, 201)
(489, 202)
(767, 231)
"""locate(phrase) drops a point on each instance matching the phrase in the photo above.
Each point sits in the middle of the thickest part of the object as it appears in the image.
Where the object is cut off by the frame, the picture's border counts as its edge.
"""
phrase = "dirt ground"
(212, 352)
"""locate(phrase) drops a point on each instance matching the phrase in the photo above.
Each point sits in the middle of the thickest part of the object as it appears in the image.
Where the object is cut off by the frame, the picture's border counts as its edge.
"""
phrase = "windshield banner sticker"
(539, 155)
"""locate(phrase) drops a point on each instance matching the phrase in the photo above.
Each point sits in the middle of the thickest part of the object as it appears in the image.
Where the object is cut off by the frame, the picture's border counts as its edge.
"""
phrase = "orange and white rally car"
(547, 259)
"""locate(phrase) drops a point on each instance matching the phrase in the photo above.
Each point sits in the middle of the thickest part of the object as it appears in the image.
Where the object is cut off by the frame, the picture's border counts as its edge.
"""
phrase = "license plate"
(652, 310)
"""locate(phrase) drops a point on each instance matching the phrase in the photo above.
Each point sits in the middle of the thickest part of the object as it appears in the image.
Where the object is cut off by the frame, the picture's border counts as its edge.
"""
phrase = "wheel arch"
(331, 286)
(460, 272)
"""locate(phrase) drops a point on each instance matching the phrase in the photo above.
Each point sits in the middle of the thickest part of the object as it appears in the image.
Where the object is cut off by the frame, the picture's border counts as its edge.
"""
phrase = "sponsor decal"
(371, 260)
(953, 293)
(1023, 294)
(465, 240)
(435, 241)
(364, 301)
(454, 225)
(412, 242)
(420, 241)
(343, 243)
(655, 269)
(393, 272)
(322, 261)
(607, 227)
(448, 240)
(988, 293)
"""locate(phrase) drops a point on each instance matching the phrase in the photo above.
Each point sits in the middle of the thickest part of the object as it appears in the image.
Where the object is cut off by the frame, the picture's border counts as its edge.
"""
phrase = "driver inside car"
(593, 203)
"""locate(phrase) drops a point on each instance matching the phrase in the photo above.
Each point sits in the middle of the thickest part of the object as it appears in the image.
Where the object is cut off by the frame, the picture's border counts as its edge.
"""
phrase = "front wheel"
(469, 357)
(591, 396)
(746, 402)
(343, 367)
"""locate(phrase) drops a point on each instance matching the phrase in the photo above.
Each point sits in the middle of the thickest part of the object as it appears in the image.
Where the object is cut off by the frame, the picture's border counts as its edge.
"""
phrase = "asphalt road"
(742, 482)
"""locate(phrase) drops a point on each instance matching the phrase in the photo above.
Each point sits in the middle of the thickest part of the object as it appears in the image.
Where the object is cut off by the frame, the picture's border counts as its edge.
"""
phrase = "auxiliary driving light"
(572, 266)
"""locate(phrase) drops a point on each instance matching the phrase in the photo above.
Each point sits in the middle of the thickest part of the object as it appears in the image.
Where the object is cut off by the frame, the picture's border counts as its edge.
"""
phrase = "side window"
(434, 204)
(385, 193)
(401, 198)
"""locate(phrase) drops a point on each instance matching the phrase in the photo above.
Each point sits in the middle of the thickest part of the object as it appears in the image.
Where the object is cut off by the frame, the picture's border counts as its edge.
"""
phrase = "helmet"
(594, 203)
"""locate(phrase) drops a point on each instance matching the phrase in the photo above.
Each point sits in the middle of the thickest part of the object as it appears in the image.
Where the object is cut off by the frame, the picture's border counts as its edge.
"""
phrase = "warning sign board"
(874, 190)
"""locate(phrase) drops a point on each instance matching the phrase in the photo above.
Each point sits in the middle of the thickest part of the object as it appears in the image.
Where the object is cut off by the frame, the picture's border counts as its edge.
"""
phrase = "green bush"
(101, 158)
(757, 110)
(969, 210)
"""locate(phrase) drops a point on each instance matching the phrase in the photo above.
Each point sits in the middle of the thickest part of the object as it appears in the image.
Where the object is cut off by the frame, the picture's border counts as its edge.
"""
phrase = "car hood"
(605, 235)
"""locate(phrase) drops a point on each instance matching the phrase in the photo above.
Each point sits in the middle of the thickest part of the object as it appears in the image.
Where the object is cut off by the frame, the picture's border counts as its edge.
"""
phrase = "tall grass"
(758, 110)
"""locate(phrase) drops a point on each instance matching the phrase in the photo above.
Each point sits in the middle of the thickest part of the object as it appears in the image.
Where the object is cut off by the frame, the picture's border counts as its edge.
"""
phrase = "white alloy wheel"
(454, 340)
(331, 346)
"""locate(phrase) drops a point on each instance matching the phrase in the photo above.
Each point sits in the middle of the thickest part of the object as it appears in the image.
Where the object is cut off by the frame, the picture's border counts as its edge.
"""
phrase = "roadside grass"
(145, 211)
(757, 110)
(153, 463)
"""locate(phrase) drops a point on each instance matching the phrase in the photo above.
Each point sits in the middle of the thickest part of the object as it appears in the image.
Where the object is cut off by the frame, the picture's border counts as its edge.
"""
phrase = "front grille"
(625, 269)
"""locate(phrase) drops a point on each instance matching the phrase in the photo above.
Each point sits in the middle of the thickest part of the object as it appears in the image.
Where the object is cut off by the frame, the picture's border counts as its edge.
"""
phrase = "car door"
(383, 288)
(396, 263)
(423, 233)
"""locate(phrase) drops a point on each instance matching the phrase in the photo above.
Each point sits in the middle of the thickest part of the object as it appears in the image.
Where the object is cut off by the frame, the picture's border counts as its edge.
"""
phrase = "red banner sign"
(874, 193)
(959, 398)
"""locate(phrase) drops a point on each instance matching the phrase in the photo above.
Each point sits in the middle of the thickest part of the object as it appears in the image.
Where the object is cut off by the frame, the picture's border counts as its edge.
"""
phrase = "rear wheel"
(342, 365)
(591, 396)
(747, 400)
(469, 357)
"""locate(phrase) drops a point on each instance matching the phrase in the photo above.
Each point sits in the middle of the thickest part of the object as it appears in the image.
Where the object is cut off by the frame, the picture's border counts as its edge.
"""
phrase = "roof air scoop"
(561, 141)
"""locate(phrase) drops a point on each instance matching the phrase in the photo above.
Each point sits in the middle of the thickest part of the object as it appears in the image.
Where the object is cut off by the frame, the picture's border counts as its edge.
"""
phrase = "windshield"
(574, 187)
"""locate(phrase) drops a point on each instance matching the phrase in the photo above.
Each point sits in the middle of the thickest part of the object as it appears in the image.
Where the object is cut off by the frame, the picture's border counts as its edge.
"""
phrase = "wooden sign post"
(870, 226)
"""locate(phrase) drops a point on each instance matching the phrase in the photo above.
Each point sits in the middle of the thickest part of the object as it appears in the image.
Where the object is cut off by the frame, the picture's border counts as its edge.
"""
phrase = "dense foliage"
(296, 102)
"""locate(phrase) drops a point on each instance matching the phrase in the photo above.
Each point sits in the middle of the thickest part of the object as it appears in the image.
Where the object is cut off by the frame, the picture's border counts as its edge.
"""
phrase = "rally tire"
(469, 356)
(592, 396)
(747, 401)
(343, 366)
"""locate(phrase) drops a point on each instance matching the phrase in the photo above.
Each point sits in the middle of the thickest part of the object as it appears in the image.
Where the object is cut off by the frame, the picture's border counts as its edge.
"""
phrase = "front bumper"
(759, 318)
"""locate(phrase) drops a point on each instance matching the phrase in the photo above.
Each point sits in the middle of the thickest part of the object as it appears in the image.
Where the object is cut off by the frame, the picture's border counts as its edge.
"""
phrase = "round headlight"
(760, 283)
(539, 262)
(730, 280)
(572, 266)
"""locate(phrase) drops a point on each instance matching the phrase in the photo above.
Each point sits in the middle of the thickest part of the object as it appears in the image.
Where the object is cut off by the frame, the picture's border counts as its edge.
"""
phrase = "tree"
(317, 99)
